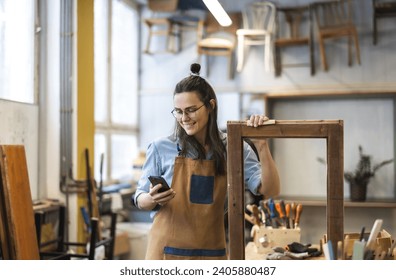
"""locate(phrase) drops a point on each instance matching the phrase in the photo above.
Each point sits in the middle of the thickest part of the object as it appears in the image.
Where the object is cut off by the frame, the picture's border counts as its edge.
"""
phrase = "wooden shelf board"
(321, 202)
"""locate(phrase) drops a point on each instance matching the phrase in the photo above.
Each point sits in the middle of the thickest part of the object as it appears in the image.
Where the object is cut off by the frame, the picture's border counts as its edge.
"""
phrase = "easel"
(331, 130)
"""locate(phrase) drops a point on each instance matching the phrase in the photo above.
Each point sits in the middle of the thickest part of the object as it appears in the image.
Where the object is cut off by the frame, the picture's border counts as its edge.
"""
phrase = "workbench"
(252, 254)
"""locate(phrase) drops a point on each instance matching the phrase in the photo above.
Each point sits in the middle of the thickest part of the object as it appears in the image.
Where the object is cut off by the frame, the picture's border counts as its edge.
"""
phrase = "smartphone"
(155, 180)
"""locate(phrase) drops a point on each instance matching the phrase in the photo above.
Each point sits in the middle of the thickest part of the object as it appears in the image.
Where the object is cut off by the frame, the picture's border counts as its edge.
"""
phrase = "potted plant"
(360, 177)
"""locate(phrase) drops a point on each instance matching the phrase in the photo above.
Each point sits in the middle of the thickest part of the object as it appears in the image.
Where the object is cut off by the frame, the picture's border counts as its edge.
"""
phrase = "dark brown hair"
(196, 84)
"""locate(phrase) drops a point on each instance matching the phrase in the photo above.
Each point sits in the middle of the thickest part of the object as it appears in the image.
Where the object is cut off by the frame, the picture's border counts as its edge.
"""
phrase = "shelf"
(321, 202)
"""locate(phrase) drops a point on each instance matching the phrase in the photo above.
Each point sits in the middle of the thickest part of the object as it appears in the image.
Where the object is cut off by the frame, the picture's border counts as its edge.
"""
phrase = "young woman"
(189, 217)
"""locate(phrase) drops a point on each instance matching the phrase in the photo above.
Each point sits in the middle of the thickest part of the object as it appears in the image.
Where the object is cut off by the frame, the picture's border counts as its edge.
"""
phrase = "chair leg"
(312, 57)
(147, 49)
(93, 238)
(350, 50)
(240, 58)
(323, 54)
(355, 36)
(230, 66)
(278, 61)
(171, 37)
(267, 53)
(174, 38)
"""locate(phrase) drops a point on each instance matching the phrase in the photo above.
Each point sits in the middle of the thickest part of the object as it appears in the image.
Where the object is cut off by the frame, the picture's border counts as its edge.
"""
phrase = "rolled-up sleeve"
(157, 164)
(252, 169)
(150, 167)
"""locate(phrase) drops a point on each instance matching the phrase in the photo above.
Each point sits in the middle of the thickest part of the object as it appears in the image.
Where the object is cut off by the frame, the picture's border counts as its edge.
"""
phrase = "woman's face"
(192, 114)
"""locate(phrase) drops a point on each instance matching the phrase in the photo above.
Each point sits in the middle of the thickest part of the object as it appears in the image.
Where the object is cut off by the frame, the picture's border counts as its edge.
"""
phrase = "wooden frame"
(331, 130)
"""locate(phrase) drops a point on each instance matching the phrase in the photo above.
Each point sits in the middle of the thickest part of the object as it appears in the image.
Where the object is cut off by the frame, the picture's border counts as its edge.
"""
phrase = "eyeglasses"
(190, 112)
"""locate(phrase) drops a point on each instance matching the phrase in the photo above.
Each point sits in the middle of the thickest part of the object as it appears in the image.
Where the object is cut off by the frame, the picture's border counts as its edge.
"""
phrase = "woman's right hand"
(161, 198)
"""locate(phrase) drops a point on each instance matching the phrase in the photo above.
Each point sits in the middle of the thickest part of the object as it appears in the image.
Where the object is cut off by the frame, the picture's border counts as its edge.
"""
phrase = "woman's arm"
(270, 182)
(148, 201)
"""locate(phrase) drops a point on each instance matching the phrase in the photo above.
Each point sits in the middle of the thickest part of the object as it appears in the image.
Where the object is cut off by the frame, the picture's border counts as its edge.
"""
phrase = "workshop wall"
(368, 121)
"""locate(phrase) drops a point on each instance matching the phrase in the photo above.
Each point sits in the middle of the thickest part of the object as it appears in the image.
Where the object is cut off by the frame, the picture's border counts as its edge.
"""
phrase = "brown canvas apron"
(191, 225)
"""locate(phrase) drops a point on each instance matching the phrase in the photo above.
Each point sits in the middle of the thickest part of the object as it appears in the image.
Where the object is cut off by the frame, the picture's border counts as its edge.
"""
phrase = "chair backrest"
(212, 26)
(162, 5)
(293, 22)
(259, 15)
(332, 13)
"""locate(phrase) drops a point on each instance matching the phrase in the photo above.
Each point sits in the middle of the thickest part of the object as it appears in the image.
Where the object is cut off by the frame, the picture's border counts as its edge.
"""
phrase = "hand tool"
(249, 218)
(256, 215)
(287, 207)
(346, 245)
(268, 222)
(297, 247)
(373, 234)
(390, 252)
(339, 250)
(361, 237)
(285, 218)
(262, 214)
(328, 250)
(293, 213)
(298, 215)
(249, 208)
(358, 250)
(281, 214)
(271, 206)
(297, 256)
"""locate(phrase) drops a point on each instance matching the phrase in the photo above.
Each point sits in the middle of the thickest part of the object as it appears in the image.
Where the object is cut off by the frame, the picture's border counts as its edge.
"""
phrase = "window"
(17, 45)
(116, 88)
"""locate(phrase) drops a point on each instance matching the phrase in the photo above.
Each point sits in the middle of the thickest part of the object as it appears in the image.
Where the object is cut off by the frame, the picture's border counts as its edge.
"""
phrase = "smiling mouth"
(189, 124)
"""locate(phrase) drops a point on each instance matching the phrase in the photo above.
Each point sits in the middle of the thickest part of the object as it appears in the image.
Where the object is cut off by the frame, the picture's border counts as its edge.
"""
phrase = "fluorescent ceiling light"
(218, 12)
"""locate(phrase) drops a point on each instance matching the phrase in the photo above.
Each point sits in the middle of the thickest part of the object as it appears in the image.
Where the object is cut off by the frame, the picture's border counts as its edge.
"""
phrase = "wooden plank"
(17, 217)
(236, 193)
(335, 184)
(331, 130)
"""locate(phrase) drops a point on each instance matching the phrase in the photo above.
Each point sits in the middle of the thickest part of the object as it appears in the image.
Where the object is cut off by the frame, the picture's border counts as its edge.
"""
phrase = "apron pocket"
(201, 189)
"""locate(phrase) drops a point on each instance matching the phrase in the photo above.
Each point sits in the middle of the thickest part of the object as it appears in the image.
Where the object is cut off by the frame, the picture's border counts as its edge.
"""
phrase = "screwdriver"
(299, 209)
(281, 213)
(271, 206)
(256, 215)
(293, 213)
(287, 208)
(266, 213)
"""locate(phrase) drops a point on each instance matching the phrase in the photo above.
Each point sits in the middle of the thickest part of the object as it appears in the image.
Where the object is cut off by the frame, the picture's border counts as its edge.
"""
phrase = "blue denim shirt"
(161, 154)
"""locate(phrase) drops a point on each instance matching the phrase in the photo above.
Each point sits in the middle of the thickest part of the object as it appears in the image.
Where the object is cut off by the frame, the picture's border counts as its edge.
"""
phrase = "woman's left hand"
(257, 120)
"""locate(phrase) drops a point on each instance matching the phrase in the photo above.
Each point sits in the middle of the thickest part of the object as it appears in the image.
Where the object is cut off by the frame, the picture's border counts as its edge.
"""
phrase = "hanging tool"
(299, 209)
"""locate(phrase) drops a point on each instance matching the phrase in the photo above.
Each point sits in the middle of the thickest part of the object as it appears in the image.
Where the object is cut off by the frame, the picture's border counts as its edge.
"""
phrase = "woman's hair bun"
(195, 68)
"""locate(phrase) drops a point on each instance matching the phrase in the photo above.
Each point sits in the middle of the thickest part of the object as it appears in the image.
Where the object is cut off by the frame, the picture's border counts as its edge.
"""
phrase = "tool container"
(383, 241)
(265, 238)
